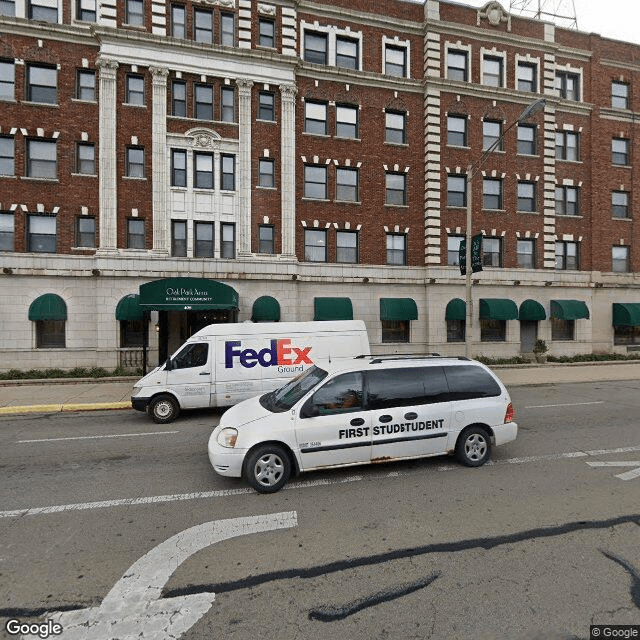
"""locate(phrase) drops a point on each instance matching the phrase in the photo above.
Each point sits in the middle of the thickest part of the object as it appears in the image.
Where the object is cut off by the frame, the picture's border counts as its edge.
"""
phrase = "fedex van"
(223, 364)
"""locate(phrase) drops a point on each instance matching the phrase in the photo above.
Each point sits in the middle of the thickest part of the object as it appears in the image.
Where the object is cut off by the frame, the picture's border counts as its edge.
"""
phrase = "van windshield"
(284, 398)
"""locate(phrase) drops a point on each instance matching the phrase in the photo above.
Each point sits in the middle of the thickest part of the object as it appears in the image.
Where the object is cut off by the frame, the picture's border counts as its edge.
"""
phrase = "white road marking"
(133, 609)
(117, 435)
(627, 475)
(572, 404)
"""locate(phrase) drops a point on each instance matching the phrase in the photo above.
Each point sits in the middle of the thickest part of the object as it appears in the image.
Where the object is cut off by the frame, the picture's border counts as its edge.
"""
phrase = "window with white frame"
(42, 159)
(346, 184)
(7, 156)
(86, 10)
(620, 151)
(346, 121)
(395, 127)
(7, 231)
(568, 145)
(315, 117)
(266, 173)
(86, 85)
(567, 84)
(45, 10)
(134, 13)
(134, 162)
(395, 61)
(492, 193)
(396, 188)
(315, 245)
(620, 204)
(527, 77)
(178, 168)
(347, 247)
(526, 196)
(526, 139)
(396, 249)
(458, 65)
(347, 52)
(620, 259)
(315, 182)
(134, 92)
(453, 249)
(41, 234)
(493, 71)
(7, 79)
(620, 95)
(203, 26)
(526, 253)
(457, 131)
(42, 84)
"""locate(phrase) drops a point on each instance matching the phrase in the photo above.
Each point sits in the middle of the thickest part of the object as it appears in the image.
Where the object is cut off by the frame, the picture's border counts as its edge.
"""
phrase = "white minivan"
(365, 410)
(225, 363)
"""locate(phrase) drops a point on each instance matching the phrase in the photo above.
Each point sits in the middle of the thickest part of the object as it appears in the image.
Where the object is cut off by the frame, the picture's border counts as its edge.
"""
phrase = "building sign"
(476, 254)
(186, 294)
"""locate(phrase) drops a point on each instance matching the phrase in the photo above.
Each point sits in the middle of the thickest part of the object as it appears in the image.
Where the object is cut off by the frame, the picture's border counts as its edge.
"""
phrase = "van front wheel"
(163, 409)
(473, 448)
(268, 469)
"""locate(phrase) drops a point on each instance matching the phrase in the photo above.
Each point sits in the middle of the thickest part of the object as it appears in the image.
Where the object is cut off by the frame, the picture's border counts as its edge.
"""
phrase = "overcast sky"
(617, 19)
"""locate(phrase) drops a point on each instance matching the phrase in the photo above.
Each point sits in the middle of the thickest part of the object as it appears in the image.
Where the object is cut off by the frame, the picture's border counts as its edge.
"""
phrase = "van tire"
(268, 468)
(473, 447)
(164, 409)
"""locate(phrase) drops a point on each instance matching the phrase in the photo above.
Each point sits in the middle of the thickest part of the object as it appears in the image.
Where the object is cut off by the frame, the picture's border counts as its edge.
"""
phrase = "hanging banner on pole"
(476, 254)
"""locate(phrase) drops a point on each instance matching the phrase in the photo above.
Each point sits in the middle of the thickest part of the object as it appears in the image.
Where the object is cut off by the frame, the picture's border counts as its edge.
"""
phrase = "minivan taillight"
(508, 416)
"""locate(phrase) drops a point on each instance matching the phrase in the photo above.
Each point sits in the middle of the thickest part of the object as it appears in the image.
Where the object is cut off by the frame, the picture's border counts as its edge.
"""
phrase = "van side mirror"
(168, 365)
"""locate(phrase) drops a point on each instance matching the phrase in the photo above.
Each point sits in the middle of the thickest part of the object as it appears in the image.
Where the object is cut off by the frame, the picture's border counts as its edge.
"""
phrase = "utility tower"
(560, 12)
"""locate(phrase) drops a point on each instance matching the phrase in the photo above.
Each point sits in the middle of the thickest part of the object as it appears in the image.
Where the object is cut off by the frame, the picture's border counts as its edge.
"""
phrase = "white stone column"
(159, 168)
(288, 94)
(244, 167)
(107, 181)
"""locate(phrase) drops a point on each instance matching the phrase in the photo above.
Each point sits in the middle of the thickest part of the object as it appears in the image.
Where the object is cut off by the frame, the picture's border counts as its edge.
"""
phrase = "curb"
(57, 408)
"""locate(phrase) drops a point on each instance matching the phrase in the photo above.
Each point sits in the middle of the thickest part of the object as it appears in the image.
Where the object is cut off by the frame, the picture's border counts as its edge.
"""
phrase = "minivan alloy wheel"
(473, 448)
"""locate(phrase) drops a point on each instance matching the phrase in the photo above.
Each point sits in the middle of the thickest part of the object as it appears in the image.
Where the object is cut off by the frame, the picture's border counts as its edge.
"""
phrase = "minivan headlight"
(227, 437)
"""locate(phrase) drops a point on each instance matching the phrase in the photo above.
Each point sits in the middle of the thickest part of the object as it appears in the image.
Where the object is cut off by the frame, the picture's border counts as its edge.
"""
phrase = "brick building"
(167, 164)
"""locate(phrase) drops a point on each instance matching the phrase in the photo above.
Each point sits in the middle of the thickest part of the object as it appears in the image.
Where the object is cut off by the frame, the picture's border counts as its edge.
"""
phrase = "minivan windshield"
(285, 397)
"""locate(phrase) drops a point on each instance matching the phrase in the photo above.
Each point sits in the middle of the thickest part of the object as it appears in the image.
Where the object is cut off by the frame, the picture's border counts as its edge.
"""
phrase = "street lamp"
(534, 107)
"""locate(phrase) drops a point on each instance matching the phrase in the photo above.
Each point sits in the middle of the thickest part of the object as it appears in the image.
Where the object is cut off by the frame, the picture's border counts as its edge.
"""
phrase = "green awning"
(532, 311)
(129, 308)
(332, 309)
(569, 310)
(177, 294)
(498, 309)
(48, 307)
(456, 310)
(626, 314)
(398, 309)
(266, 309)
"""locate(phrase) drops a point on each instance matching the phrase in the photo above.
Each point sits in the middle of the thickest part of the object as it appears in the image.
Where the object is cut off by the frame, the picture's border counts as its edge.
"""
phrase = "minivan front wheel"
(268, 468)
(163, 409)
(473, 448)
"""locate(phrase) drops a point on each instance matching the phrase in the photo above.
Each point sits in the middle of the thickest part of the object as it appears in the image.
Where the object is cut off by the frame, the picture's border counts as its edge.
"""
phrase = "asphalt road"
(106, 517)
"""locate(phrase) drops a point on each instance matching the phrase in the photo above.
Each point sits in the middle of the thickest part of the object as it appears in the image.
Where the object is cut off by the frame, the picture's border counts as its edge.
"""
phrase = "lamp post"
(534, 107)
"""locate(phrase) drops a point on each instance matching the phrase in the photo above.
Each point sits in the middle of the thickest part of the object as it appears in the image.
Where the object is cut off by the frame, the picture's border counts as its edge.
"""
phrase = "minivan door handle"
(385, 418)
(356, 422)
(410, 416)
(204, 373)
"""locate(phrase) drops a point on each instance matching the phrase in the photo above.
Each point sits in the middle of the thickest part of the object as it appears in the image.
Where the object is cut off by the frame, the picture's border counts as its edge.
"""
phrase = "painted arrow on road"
(133, 608)
(627, 475)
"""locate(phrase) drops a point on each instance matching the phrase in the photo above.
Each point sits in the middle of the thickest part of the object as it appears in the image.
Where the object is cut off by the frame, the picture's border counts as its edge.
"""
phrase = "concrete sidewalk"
(48, 396)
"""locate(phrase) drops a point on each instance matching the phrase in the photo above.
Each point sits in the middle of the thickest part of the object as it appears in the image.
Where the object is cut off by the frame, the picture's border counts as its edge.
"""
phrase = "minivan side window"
(405, 387)
(194, 354)
(342, 394)
(467, 382)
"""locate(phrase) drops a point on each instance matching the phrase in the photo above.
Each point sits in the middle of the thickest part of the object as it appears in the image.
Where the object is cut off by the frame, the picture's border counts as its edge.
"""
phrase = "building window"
(620, 151)
(7, 156)
(41, 234)
(203, 170)
(457, 131)
(527, 77)
(491, 193)
(567, 201)
(86, 158)
(396, 189)
(203, 26)
(45, 10)
(567, 145)
(131, 333)
(453, 250)
(7, 80)
(203, 239)
(620, 259)
(346, 121)
(395, 61)
(346, 184)
(626, 335)
(266, 239)
(134, 13)
(526, 196)
(228, 29)
(178, 21)
(456, 191)
(527, 140)
(135, 233)
(568, 85)
(492, 71)
(567, 256)
(456, 330)
(50, 334)
(86, 10)
(227, 240)
(266, 173)
(620, 204)
(85, 232)
(86, 85)
(8, 8)
(347, 247)
(395, 127)
(396, 249)
(42, 159)
(7, 232)
(315, 47)
(179, 238)
(315, 117)
(315, 182)
(178, 168)
(493, 330)
(135, 162)
(228, 104)
(266, 106)
(619, 95)
(457, 66)
(525, 253)
(267, 33)
(179, 99)
(395, 331)
(347, 53)
(228, 172)
(492, 252)
(492, 135)
(562, 330)
(42, 84)
(134, 90)
(315, 245)
(203, 102)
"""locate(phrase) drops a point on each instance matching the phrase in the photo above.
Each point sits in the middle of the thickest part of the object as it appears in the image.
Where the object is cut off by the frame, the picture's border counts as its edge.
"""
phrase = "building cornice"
(80, 33)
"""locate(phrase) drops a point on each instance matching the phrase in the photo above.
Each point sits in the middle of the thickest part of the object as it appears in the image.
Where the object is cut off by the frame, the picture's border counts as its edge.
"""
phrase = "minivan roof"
(398, 361)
